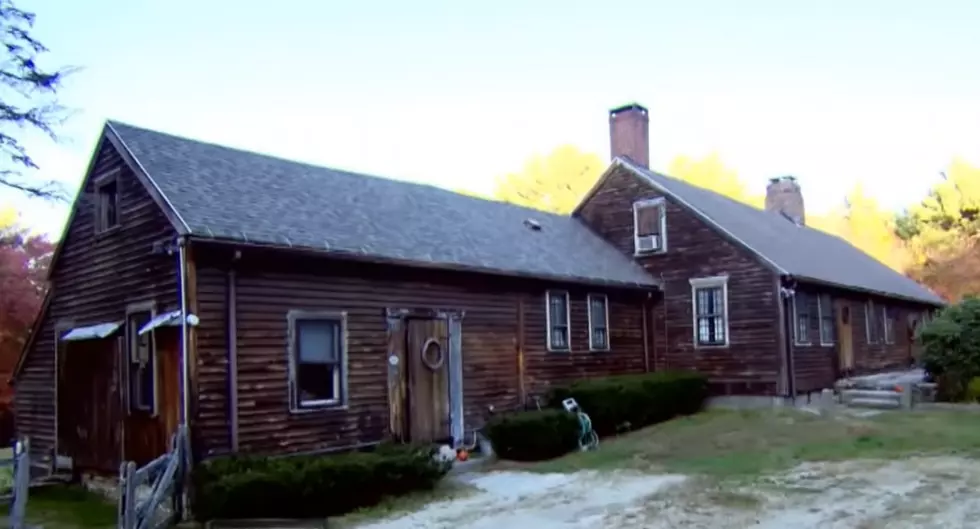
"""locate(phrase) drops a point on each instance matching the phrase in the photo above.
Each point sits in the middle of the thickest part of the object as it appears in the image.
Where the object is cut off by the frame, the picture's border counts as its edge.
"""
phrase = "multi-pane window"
(598, 322)
(557, 313)
(142, 363)
(710, 310)
(317, 360)
(871, 328)
(107, 204)
(888, 324)
(801, 318)
(825, 310)
(649, 226)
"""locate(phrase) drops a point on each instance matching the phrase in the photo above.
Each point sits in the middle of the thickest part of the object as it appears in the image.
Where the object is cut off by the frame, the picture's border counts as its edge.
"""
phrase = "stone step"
(850, 394)
(874, 403)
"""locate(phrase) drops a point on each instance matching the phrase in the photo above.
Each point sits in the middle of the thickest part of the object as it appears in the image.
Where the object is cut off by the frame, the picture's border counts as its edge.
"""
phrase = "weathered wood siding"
(752, 363)
(268, 285)
(817, 366)
(94, 278)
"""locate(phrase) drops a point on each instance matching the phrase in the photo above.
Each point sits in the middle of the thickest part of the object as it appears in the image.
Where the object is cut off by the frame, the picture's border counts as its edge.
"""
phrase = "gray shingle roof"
(803, 252)
(230, 194)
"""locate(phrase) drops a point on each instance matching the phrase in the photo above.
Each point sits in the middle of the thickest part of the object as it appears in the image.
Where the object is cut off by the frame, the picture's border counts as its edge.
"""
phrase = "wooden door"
(147, 433)
(89, 410)
(845, 337)
(427, 357)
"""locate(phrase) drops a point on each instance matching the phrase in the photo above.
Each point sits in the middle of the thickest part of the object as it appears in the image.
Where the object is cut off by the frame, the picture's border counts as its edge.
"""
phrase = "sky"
(455, 93)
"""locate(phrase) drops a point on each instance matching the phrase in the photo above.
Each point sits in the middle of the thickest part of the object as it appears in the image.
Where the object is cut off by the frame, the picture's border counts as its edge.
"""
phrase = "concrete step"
(870, 394)
(882, 404)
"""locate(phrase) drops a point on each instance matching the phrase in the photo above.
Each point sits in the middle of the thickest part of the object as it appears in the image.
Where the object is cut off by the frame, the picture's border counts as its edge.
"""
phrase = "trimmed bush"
(309, 486)
(533, 435)
(622, 403)
(951, 347)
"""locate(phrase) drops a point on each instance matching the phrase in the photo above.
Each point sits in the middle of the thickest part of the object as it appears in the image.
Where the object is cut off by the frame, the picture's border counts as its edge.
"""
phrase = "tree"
(555, 182)
(27, 100)
(942, 233)
(711, 173)
(24, 260)
(865, 224)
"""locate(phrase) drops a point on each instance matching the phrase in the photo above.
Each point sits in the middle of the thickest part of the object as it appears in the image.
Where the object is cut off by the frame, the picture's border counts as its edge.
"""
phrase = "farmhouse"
(279, 307)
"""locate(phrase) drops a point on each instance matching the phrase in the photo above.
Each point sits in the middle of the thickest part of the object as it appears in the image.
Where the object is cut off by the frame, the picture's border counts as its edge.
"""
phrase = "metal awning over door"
(92, 332)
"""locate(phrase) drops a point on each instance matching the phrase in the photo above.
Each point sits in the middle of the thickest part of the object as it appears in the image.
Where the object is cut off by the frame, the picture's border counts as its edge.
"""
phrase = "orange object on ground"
(462, 455)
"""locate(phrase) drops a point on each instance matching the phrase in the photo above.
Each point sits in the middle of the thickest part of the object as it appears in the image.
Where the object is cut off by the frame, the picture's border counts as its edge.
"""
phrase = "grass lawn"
(731, 443)
(67, 507)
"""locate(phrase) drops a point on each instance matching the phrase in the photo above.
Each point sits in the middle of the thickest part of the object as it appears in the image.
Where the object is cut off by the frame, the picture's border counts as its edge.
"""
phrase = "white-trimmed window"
(871, 329)
(825, 312)
(141, 353)
(710, 305)
(650, 226)
(888, 325)
(558, 314)
(801, 318)
(598, 322)
(317, 359)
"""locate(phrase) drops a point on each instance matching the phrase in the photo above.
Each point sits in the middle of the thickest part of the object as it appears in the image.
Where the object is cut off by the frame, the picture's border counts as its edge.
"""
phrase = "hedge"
(240, 487)
(533, 435)
(628, 402)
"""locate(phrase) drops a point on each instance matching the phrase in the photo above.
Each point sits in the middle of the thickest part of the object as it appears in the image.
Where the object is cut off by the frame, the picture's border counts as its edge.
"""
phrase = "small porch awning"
(92, 332)
(167, 319)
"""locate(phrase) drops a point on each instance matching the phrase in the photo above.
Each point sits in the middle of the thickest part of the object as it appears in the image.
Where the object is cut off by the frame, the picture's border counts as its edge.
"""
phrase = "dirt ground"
(860, 494)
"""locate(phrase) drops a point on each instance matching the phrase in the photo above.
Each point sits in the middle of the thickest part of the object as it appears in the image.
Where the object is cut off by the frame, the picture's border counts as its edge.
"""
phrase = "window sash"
(142, 367)
(888, 326)
(559, 333)
(801, 319)
(648, 219)
(317, 377)
(871, 322)
(710, 315)
(598, 322)
(825, 311)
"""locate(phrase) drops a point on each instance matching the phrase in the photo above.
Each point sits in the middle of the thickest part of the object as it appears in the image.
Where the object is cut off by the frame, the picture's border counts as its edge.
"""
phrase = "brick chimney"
(784, 197)
(629, 134)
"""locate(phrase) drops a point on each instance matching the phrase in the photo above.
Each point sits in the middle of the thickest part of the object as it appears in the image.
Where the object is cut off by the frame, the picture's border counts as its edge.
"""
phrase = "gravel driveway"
(913, 493)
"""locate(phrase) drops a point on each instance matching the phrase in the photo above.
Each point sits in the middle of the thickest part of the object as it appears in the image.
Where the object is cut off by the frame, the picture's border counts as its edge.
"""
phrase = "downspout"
(232, 315)
(646, 313)
(185, 377)
(786, 293)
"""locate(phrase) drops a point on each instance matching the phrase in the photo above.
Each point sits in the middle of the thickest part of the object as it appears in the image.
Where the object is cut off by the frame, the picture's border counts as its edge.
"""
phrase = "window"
(598, 322)
(871, 322)
(107, 203)
(888, 325)
(710, 299)
(317, 360)
(801, 318)
(649, 226)
(825, 311)
(142, 363)
(558, 316)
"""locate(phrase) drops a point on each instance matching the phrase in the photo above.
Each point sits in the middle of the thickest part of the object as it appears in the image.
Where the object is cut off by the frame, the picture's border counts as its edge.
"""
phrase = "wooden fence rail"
(21, 463)
(164, 477)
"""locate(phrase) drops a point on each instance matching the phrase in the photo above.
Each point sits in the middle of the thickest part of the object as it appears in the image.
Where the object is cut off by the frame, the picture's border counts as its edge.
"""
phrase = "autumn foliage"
(24, 259)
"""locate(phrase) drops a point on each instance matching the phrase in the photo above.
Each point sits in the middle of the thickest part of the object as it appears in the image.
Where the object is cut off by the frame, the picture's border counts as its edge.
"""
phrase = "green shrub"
(309, 486)
(951, 347)
(622, 403)
(973, 390)
(533, 435)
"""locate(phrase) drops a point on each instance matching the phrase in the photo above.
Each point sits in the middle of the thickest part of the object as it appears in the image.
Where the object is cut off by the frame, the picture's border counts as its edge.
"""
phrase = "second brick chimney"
(784, 197)
(629, 134)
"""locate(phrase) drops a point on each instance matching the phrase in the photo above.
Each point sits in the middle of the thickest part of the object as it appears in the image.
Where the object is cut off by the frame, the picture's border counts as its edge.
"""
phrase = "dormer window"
(106, 203)
(649, 226)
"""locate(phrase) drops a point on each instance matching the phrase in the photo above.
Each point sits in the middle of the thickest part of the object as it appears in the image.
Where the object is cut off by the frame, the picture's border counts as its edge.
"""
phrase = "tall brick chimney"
(784, 197)
(629, 133)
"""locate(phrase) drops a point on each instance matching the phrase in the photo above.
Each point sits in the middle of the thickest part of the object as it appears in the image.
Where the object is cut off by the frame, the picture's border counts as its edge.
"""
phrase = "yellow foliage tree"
(555, 182)
(711, 173)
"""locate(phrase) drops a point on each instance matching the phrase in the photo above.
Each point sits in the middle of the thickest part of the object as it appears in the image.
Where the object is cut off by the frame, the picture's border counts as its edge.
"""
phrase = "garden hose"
(588, 440)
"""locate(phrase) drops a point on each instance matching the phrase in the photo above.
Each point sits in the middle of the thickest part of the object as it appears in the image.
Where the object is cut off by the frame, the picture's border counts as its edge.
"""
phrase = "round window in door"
(432, 354)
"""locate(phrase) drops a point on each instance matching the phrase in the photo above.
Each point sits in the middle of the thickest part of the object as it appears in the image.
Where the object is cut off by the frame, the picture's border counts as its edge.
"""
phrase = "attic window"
(532, 224)
(649, 226)
(106, 203)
